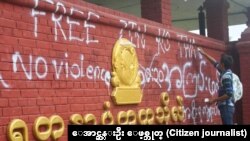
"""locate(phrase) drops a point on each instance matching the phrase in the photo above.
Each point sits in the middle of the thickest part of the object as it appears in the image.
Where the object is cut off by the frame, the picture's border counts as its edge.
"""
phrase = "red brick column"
(157, 10)
(217, 19)
(244, 52)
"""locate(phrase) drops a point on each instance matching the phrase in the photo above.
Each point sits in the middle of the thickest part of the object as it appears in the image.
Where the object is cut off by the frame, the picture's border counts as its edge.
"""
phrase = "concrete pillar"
(248, 16)
(157, 10)
(217, 19)
(243, 47)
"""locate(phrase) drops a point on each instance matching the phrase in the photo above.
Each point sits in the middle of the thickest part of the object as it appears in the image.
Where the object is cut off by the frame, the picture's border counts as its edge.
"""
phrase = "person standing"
(224, 100)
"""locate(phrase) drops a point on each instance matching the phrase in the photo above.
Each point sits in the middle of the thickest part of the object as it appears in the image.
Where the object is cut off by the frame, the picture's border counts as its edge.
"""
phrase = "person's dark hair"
(227, 60)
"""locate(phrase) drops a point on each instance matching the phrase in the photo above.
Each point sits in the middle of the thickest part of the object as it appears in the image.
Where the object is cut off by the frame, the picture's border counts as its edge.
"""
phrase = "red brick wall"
(55, 59)
(217, 19)
(245, 73)
(244, 52)
(157, 10)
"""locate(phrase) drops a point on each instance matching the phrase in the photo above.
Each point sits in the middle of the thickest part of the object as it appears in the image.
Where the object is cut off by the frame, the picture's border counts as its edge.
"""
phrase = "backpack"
(237, 87)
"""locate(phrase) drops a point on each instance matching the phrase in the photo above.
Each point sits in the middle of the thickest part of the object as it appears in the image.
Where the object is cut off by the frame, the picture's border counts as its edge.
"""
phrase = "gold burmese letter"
(125, 77)
(17, 130)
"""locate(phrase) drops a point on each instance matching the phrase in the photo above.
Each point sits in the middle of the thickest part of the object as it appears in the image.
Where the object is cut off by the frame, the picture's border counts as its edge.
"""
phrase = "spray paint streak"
(3, 82)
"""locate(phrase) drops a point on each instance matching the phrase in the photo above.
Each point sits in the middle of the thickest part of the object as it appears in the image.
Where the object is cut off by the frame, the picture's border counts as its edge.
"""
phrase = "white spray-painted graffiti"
(168, 75)
(164, 74)
(187, 47)
(197, 112)
(134, 33)
(75, 70)
(57, 19)
(2, 81)
(147, 73)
